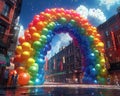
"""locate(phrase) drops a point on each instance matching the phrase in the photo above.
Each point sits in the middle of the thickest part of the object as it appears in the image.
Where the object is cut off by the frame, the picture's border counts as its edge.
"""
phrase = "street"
(60, 89)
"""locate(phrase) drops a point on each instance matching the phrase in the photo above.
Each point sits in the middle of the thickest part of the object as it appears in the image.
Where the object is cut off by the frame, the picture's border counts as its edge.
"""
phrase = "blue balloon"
(49, 38)
(40, 61)
(95, 82)
(47, 47)
(93, 72)
(41, 56)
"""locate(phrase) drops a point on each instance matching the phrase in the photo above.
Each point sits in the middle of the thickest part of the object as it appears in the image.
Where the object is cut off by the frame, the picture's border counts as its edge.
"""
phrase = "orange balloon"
(19, 49)
(40, 25)
(26, 46)
(23, 78)
(20, 70)
(32, 30)
(35, 36)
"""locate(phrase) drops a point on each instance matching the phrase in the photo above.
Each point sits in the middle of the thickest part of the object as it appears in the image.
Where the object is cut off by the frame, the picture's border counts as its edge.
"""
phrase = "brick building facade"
(65, 66)
(110, 33)
(9, 12)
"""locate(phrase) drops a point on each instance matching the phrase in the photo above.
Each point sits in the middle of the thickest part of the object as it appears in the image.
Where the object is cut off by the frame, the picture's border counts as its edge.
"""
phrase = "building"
(65, 66)
(9, 12)
(110, 33)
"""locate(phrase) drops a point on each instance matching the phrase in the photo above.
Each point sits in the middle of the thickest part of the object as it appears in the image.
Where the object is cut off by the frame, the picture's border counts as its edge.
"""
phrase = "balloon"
(33, 70)
(45, 31)
(31, 82)
(103, 72)
(51, 26)
(93, 72)
(72, 22)
(25, 55)
(23, 78)
(20, 70)
(30, 61)
(32, 30)
(49, 38)
(102, 80)
(43, 39)
(47, 47)
(40, 61)
(62, 20)
(36, 20)
(35, 36)
(26, 46)
(19, 49)
(28, 37)
(37, 45)
(21, 39)
(40, 25)
(18, 58)
(98, 67)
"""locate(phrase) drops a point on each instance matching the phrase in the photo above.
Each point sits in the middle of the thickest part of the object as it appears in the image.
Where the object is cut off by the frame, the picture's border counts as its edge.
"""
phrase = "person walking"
(5, 77)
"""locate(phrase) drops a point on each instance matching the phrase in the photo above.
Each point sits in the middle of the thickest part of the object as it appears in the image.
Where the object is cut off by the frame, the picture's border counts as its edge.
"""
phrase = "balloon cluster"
(34, 45)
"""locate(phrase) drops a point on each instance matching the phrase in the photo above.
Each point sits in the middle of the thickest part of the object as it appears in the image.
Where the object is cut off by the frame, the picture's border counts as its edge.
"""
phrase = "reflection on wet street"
(58, 91)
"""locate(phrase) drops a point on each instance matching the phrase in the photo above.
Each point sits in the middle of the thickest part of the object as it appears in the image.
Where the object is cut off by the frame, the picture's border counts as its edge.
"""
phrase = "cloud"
(109, 3)
(62, 40)
(82, 10)
(96, 16)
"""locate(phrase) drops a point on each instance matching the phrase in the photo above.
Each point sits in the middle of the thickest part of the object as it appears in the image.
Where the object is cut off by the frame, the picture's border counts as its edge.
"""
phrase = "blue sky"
(96, 11)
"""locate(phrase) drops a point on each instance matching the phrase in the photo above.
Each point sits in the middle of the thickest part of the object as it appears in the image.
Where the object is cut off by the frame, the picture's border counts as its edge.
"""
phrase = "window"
(106, 33)
(6, 10)
(108, 44)
(2, 30)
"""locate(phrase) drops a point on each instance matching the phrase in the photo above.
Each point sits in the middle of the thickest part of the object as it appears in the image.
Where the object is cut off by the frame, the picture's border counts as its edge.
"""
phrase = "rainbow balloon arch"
(33, 46)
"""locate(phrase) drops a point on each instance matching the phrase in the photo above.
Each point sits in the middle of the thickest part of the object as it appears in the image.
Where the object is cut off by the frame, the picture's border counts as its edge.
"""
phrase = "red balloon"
(28, 37)
(17, 58)
(23, 78)
(21, 39)
(30, 25)
(36, 20)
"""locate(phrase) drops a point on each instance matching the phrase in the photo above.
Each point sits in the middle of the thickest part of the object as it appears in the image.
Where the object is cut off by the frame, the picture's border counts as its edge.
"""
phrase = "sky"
(96, 11)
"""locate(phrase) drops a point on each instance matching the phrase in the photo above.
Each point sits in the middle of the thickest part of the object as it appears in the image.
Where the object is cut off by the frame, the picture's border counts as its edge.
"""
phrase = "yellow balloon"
(100, 45)
(30, 61)
(103, 72)
(19, 49)
(35, 36)
(26, 46)
(25, 55)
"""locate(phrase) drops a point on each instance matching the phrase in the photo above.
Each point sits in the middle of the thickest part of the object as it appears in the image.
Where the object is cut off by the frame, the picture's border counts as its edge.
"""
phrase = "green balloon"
(98, 68)
(91, 38)
(96, 52)
(31, 82)
(43, 39)
(51, 26)
(62, 20)
(45, 31)
(102, 80)
(36, 65)
(33, 70)
(82, 31)
(37, 45)
(72, 22)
